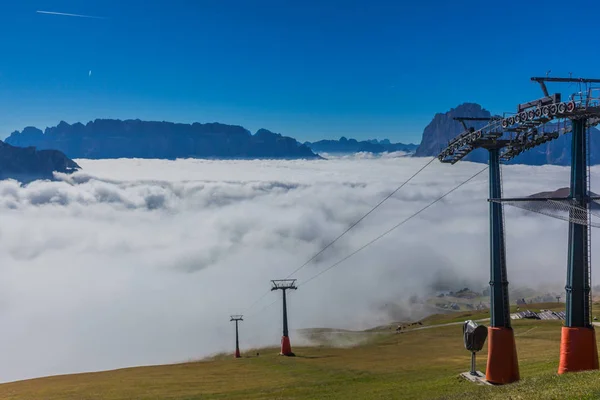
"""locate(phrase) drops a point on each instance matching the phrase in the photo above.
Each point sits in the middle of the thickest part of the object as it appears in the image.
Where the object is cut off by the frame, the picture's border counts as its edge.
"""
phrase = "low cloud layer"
(134, 262)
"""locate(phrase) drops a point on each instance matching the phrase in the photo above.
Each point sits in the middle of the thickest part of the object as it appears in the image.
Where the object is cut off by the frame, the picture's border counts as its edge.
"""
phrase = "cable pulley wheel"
(546, 110)
(562, 107)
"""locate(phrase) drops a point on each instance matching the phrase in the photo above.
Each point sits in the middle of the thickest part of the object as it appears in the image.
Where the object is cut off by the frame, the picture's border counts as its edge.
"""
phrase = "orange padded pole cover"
(578, 350)
(502, 363)
(286, 347)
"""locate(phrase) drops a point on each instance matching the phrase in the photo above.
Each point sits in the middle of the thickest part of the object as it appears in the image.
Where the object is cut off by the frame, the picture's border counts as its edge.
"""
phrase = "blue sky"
(307, 69)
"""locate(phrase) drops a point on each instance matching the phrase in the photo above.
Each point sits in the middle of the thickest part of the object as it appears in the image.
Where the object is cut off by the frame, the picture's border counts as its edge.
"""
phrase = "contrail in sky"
(67, 14)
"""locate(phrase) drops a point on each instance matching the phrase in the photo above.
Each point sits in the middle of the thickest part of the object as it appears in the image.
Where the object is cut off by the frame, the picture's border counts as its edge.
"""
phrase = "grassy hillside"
(418, 364)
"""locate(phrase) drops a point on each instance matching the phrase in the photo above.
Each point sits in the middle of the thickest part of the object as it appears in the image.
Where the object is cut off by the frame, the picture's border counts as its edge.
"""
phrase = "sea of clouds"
(135, 262)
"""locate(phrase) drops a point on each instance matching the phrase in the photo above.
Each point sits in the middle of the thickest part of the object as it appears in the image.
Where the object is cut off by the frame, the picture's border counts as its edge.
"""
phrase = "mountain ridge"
(113, 138)
(110, 138)
(27, 164)
(444, 128)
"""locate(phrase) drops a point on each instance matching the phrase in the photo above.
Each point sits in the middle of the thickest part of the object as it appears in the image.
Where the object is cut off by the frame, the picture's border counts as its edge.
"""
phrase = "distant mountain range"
(443, 128)
(109, 138)
(105, 138)
(28, 164)
(345, 145)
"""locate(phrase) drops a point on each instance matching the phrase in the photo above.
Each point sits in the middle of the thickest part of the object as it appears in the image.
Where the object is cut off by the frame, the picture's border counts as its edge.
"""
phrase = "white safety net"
(565, 209)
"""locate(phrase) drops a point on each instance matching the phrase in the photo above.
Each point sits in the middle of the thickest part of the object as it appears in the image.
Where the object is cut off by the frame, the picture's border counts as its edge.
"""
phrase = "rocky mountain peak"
(443, 128)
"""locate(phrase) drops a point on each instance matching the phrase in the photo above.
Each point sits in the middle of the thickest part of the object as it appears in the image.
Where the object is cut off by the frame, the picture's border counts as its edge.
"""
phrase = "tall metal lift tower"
(502, 364)
(236, 319)
(283, 285)
(578, 350)
(532, 125)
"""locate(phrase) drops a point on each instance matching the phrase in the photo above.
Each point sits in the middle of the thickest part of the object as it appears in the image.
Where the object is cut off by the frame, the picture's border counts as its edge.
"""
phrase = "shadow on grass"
(315, 357)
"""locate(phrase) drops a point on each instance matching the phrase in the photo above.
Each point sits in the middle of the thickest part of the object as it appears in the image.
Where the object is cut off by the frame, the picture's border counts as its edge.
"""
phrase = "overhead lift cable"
(361, 218)
(263, 309)
(381, 235)
(347, 230)
(391, 229)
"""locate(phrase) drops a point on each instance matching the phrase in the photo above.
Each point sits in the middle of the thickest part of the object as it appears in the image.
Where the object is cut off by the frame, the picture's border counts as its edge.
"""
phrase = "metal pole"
(578, 284)
(499, 307)
(578, 349)
(502, 363)
(285, 322)
(237, 340)
(473, 367)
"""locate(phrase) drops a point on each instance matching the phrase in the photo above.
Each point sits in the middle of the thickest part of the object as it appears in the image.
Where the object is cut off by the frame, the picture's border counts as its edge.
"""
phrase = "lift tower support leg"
(237, 341)
(578, 350)
(502, 363)
(286, 347)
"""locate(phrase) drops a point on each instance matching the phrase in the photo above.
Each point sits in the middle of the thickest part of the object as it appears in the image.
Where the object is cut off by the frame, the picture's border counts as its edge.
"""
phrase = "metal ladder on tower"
(588, 283)
(503, 253)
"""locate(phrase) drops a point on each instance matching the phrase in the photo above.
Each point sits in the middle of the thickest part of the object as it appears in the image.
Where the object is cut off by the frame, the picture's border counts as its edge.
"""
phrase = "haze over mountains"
(344, 145)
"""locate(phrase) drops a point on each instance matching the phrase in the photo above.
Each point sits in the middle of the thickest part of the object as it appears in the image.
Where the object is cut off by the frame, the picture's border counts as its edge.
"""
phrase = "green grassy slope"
(419, 364)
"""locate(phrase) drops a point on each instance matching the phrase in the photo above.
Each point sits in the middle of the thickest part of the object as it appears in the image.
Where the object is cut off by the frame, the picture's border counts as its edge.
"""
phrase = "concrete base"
(479, 379)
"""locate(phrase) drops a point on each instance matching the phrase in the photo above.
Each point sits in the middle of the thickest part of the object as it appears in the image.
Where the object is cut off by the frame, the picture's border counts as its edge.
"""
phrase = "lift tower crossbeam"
(564, 80)
(283, 285)
(542, 81)
(236, 319)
